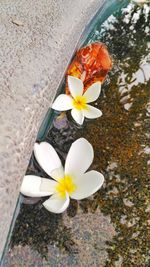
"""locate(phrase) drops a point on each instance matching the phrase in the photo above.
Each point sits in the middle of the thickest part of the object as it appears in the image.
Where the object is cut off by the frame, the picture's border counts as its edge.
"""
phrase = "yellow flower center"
(80, 102)
(64, 185)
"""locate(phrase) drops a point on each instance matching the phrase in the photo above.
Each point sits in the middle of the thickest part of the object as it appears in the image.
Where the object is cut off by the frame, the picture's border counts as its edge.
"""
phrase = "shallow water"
(111, 228)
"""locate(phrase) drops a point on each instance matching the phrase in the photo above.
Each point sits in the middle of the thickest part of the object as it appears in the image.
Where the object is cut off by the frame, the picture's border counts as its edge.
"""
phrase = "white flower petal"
(79, 158)
(48, 185)
(93, 92)
(87, 185)
(47, 157)
(91, 112)
(63, 102)
(57, 174)
(56, 204)
(35, 186)
(77, 115)
(75, 86)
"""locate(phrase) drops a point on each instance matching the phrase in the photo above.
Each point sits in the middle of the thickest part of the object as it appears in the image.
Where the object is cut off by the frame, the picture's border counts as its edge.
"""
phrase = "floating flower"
(71, 182)
(78, 101)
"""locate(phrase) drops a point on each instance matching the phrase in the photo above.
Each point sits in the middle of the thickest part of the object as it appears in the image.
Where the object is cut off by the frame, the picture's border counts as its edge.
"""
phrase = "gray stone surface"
(37, 39)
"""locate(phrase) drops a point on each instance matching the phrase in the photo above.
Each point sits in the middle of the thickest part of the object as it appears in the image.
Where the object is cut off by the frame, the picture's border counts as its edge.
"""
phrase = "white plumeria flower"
(71, 182)
(78, 101)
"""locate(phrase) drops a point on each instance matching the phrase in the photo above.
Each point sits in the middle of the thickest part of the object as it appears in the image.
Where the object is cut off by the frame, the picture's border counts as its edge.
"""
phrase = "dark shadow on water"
(41, 230)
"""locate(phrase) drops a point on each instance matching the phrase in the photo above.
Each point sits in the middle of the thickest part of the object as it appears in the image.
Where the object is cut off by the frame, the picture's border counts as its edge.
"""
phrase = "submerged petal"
(63, 102)
(77, 115)
(47, 157)
(79, 158)
(35, 186)
(93, 92)
(92, 112)
(75, 86)
(87, 185)
(56, 204)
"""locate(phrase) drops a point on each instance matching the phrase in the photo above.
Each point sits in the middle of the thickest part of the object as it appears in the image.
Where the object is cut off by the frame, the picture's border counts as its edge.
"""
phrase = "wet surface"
(110, 228)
